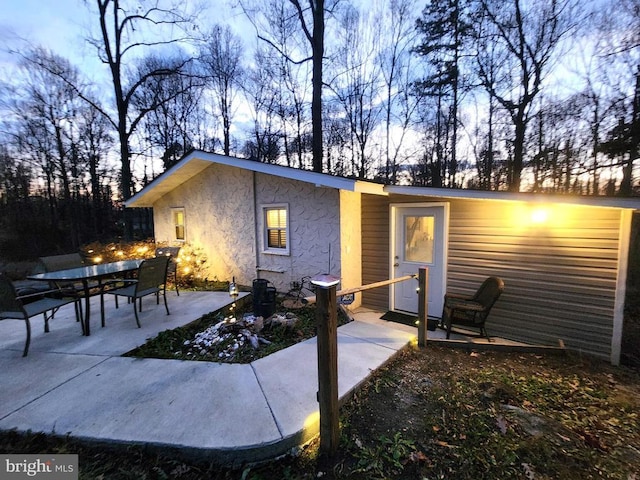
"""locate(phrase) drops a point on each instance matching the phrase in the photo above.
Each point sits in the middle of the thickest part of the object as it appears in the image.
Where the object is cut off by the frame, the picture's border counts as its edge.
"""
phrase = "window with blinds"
(276, 223)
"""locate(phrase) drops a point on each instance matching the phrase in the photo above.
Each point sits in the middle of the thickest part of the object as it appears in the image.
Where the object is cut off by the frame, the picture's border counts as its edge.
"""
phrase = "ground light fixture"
(233, 293)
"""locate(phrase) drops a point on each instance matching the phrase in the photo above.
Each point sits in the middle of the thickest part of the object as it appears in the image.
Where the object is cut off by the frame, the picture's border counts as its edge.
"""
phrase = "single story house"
(563, 258)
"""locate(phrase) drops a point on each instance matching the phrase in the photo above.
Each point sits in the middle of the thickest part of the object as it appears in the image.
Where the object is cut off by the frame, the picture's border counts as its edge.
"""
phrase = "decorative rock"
(287, 321)
(233, 334)
(253, 340)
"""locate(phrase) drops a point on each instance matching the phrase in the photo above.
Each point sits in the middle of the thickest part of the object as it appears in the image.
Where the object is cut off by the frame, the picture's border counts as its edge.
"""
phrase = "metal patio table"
(85, 275)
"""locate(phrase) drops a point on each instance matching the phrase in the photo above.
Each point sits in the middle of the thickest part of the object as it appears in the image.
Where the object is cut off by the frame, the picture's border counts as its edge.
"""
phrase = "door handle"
(396, 264)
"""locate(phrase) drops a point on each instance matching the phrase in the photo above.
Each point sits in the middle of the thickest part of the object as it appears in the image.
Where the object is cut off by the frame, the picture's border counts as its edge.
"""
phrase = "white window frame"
(265, 230)
(174, 212)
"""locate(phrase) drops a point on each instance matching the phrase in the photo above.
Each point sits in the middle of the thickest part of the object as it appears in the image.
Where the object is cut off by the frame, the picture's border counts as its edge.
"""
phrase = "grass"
(437, 413)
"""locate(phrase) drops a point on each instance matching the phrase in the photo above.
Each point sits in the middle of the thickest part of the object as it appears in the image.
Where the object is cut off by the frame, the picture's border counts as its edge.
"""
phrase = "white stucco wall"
(219, 219)
(314, 222)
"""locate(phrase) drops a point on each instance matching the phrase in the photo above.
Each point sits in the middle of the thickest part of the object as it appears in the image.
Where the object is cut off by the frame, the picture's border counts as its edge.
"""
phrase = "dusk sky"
(57, 25)
(61, 26)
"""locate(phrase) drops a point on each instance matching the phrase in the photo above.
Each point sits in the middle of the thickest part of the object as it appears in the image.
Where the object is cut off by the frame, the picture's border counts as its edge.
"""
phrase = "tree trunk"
(515, 171)
(316, 102)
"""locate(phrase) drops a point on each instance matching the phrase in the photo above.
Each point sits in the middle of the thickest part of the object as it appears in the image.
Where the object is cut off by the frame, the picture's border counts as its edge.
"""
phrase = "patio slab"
(289, 378)
(81, 386)
(26, 379)
(182, 404)
(120, 333)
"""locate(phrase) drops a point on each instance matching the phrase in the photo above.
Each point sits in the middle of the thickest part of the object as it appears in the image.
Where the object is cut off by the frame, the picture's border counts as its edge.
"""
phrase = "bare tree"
(622, 20)
(396, 69)
(445, 29)
(62, 137)
(528, 33)
(95, 141)
(264, 139)
(357, 84)
(45, 110)
(314, 31)
(126, 32)
(290, 82)
(172, 126)
(312, 23)
(221, 58)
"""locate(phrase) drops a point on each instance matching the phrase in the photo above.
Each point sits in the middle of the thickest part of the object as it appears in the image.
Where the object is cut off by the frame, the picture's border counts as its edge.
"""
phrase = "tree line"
(516, 95)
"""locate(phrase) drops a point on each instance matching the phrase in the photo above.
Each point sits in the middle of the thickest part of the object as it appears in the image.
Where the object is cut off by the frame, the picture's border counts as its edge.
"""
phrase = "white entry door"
(419, 240)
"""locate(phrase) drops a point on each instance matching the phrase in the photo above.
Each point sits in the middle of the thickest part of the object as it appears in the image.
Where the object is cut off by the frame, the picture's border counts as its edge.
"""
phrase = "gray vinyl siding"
(560, 281)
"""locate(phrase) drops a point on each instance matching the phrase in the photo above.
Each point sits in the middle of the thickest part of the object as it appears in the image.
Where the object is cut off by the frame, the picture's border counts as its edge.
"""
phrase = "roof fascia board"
(607, 202)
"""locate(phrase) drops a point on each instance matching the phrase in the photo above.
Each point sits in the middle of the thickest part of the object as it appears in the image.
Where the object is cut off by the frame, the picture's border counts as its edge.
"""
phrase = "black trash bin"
(432, 324)
(268, 304)
(264, 298)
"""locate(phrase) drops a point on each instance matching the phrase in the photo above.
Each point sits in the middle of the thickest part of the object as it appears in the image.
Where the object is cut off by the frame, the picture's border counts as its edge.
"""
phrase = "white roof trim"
(197, 161)
(593, 201)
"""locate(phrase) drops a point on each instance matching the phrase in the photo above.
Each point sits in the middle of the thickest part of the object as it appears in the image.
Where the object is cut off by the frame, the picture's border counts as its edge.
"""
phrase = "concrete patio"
(233, 413)
(81, 386)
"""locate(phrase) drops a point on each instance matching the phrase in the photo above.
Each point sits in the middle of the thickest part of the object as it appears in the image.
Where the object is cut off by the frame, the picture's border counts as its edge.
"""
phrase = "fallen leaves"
(503, 424)
(521, 416)
(591, 439)
(417, 457)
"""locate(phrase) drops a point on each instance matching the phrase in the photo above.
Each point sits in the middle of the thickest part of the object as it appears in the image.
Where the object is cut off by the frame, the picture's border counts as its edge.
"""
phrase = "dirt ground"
(448, 413)
(444, 413)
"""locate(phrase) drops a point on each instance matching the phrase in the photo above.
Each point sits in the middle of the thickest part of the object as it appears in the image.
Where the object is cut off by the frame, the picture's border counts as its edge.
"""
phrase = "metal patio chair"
(23, 307)
(54, 263)
(172, 269)
(472, 311)
(151, 279)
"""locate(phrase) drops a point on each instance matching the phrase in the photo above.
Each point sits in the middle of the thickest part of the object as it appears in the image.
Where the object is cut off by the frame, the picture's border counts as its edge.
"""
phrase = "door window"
(418, 235)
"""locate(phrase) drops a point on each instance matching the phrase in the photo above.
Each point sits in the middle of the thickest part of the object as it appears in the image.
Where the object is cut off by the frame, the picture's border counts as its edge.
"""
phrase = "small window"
(276, 223)
(178, 222)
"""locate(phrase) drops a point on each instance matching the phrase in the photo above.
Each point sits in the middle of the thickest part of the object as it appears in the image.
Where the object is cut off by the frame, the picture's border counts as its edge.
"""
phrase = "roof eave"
(594, 201)
(197, 161)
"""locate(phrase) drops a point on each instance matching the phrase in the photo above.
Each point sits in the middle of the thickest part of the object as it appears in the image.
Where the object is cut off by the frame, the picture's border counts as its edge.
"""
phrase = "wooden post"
(423, 308)
(327, 324)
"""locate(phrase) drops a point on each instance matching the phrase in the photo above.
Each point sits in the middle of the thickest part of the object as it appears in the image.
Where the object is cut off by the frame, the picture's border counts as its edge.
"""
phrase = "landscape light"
(233, 289)
(325, 280)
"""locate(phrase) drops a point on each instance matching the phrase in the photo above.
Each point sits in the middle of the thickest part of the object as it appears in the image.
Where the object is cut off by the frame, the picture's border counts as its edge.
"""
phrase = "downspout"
(255, 225)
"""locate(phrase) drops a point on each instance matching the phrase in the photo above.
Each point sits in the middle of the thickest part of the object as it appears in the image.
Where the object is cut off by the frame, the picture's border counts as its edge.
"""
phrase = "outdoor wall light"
(325, 280)
(539, 215)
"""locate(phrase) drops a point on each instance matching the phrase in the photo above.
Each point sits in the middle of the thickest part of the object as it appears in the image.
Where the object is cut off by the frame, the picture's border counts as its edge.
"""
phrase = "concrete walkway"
(233, 413)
